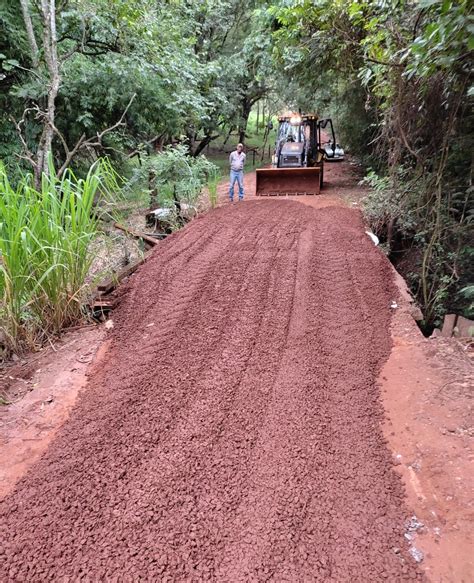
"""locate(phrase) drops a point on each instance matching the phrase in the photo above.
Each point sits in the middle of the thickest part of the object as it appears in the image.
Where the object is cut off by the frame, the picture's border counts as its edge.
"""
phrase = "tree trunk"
(152, 188)
(246, 108)
(48, 10)
(265, 138)
(228, 135)
(390, 232)
(203, 143)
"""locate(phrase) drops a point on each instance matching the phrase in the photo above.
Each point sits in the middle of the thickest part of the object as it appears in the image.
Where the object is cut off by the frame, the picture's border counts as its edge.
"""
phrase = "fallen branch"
(150, 240)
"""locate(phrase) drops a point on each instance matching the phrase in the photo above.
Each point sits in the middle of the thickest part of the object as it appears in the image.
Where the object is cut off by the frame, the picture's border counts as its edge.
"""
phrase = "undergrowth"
(172, 177)
(437, 245)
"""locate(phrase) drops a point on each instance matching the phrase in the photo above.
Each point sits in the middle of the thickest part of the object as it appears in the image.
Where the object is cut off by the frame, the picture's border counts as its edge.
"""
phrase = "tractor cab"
(297, 141)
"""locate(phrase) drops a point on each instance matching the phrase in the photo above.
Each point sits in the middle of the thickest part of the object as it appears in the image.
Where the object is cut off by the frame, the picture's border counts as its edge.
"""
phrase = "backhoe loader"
(298, 161)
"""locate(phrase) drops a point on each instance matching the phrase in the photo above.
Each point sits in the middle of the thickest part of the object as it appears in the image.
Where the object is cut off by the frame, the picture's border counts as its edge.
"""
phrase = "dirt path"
(233, 433)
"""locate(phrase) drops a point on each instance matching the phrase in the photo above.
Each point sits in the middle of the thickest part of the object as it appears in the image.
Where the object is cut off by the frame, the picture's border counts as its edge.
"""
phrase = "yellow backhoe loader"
(298, 161)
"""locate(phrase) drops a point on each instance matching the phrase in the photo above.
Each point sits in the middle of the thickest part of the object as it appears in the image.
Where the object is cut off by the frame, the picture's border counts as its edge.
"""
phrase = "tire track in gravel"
(233, 433)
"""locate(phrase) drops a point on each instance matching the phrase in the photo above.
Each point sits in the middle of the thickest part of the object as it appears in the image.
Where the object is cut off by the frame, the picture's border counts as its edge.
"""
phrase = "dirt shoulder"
(427, 394)
(42, 390)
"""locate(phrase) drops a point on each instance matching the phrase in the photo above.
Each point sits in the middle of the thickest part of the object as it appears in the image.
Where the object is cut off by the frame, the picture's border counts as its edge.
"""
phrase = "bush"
(433, 235)
(389, 202)
(173, 176)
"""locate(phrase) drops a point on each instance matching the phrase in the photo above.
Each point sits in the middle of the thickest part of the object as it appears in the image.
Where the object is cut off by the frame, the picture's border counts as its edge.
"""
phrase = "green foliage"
(446, 41)
(45, 239)
(178, 176)
(195, 68)
(467, 293)
(171, 176)
(386, 203)
(395, 209)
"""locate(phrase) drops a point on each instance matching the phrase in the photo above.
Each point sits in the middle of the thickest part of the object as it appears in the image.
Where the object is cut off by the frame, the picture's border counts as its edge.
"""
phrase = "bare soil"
(234, 429)
(427, 393)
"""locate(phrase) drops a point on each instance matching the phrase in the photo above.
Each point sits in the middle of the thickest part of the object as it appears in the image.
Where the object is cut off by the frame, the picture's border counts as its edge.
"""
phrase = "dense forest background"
(84, 80)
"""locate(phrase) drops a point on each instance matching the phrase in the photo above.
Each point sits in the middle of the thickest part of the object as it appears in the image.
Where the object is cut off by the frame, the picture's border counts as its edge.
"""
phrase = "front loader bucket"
(287, 181)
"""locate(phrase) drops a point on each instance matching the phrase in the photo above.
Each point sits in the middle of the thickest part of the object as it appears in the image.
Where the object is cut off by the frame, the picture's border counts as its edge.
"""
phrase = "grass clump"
(45, 236)
(212, 183)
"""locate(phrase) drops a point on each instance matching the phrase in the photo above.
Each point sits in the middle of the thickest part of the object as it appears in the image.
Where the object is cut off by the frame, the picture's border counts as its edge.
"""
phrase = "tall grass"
(44, 252)
(212, 183)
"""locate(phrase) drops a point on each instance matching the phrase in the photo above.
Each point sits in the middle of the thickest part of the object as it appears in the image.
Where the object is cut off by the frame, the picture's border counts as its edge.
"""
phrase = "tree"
(196, 70)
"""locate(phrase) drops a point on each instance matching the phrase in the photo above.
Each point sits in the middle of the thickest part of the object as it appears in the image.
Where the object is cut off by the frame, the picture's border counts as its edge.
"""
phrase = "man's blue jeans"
(239, 178)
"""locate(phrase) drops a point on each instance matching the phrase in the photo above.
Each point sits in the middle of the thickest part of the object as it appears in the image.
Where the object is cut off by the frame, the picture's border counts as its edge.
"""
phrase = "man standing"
(237, 160)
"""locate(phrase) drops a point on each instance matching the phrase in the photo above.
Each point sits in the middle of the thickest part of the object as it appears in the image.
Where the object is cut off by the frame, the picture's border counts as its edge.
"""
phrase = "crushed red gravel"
(233, 432)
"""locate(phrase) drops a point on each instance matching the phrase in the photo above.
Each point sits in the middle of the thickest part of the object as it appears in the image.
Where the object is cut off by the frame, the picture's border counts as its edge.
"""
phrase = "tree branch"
(147, 143)
(30, 32)
(97, 47)
(417, 22)
(29, 156)
(71, 153)
(85, 143)
(34, 73)
(377, 62)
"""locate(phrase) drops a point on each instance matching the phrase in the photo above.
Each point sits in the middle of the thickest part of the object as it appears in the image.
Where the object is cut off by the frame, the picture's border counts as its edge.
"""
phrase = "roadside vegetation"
(45, 240)
(397, 77)
(159, 93)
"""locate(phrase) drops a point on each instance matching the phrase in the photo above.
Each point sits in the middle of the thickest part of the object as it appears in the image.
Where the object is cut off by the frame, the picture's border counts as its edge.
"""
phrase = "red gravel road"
(233, 433)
